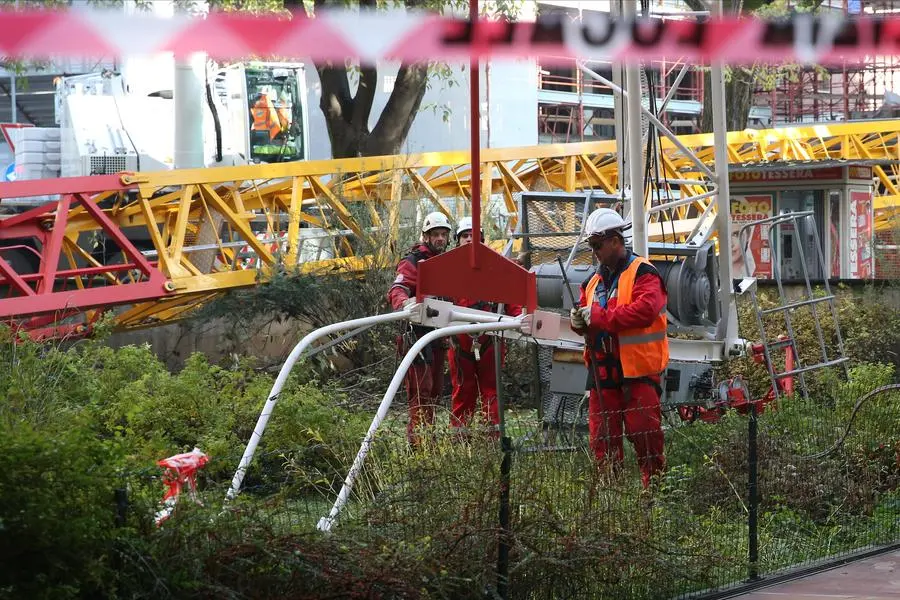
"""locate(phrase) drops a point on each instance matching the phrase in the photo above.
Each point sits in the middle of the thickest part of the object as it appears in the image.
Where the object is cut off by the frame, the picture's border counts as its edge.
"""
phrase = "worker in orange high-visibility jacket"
(622, 313)
(265, 117)
(472, 367)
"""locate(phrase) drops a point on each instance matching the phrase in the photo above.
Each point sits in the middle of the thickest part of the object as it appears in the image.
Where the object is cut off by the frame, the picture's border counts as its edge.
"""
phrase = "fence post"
(505, 468)
(503, 546)
(753, 493)
(121, 498)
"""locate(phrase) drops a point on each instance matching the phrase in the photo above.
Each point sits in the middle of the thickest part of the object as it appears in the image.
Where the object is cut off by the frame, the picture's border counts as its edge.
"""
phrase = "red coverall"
(425, 378)
(469, 376)
(640, 414)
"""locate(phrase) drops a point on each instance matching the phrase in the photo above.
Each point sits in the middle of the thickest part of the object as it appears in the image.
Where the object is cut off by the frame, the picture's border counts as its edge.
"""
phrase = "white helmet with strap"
(465, 224)
(603, 222)
(436, 220)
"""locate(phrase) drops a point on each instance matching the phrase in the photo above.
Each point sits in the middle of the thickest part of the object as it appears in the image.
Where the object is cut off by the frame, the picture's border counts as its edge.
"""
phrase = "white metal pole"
(292, 359)
(326, 523)
(619, 117)
(189, 82)
(13, 109)
(728, 324)
(12, 98)
(635, 162)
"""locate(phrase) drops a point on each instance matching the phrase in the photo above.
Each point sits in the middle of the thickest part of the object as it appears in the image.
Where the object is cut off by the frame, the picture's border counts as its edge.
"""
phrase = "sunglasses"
(597, 242)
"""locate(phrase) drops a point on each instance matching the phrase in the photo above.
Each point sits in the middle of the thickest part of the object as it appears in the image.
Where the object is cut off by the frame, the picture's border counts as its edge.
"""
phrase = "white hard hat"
(465, 224)
(603, 221)
(436, 220)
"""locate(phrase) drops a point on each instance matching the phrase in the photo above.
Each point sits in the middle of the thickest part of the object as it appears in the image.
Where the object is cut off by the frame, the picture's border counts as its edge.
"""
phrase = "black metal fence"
(743, 499)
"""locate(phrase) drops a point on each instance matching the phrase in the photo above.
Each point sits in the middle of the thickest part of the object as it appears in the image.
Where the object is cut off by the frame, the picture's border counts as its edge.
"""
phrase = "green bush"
(57, 513)
(851, 476)
(870, 330)
(82, 422)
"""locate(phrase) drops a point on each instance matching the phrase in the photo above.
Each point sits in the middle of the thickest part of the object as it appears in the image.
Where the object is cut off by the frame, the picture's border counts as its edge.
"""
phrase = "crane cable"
(853, 413)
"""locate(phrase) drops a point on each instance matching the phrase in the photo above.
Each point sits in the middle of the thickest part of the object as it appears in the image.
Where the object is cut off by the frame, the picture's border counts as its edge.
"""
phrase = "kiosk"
(840, 198)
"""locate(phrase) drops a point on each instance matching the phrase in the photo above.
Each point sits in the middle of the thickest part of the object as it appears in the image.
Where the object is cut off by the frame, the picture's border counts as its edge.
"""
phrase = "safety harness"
(609, 365)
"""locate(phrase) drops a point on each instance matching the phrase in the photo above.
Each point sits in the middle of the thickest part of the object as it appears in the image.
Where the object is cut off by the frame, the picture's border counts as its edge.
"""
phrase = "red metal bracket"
(494, 279)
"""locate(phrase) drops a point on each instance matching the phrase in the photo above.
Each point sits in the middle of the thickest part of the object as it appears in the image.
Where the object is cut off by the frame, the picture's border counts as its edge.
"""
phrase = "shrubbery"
(81, 422)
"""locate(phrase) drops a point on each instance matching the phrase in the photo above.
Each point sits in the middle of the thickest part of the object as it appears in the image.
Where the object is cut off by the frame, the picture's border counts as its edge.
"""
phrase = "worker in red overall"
(425, 378)
(472, 368)
(622, 312)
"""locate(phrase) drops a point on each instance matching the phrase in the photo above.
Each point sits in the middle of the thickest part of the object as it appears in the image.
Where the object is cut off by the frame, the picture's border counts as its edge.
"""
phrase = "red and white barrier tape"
(181, 471)
(373, 36)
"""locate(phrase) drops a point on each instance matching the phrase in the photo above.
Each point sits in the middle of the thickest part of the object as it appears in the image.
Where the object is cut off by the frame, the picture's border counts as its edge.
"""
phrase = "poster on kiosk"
(859, 248)
(757, 246)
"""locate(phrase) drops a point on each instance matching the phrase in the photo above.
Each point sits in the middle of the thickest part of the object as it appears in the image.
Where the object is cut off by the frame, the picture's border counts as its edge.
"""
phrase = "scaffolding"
(574, 109)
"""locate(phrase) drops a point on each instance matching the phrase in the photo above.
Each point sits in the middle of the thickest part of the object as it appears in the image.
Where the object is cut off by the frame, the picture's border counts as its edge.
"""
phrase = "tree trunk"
(739, 88)
(738, 97)
(347, 118)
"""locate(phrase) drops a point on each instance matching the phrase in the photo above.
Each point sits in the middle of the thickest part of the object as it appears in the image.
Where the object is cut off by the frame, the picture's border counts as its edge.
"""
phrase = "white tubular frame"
(326, 523)
(282, 378)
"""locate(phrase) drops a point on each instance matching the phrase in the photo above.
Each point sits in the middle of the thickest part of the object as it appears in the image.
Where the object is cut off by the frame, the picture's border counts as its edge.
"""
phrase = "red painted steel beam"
(58, 332)
(475, 144)
(15, 279)
(126, 293)
(38, 293)
(93, 184)
(117, 235)
(53, 247)
(81, 272)
(27, 216)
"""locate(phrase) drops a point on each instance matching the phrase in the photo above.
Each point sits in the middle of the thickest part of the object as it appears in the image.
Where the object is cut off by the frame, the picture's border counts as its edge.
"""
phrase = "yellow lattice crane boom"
(206, 231)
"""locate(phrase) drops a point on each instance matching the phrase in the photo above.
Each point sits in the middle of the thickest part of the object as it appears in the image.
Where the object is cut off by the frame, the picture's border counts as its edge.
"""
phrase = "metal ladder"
(801, 222)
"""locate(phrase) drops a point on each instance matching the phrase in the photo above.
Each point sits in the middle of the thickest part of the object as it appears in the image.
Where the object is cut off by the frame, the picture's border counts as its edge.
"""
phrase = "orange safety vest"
(644, 351)
(284, 115)
(263, 119)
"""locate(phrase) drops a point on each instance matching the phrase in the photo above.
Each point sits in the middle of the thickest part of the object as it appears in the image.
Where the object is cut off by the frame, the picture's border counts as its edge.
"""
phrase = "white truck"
(125, 121)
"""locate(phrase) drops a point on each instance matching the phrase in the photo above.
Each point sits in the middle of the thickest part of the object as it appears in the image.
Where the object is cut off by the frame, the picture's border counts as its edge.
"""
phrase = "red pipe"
(475, 141)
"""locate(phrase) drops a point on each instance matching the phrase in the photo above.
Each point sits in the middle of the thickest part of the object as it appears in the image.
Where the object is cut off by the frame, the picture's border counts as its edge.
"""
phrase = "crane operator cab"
(276, 114)
(265, 104)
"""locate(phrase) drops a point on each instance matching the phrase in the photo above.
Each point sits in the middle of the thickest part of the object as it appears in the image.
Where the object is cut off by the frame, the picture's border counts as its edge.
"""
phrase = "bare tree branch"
(365, 96)
(402, 106)
(336, 101)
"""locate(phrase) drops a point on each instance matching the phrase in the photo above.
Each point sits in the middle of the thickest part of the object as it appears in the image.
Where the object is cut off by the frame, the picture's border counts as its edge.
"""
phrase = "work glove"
(408, 302)
(577, 319)
(581, 317)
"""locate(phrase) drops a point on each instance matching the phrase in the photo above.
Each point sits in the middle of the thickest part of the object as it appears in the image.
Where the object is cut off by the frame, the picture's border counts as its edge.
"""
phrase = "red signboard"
(860, 246)
(786, 175)
(834, 231)
(856, 172)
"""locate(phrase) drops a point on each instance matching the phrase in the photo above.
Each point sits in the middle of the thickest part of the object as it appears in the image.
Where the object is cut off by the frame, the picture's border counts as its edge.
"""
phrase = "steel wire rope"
(848, 428)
